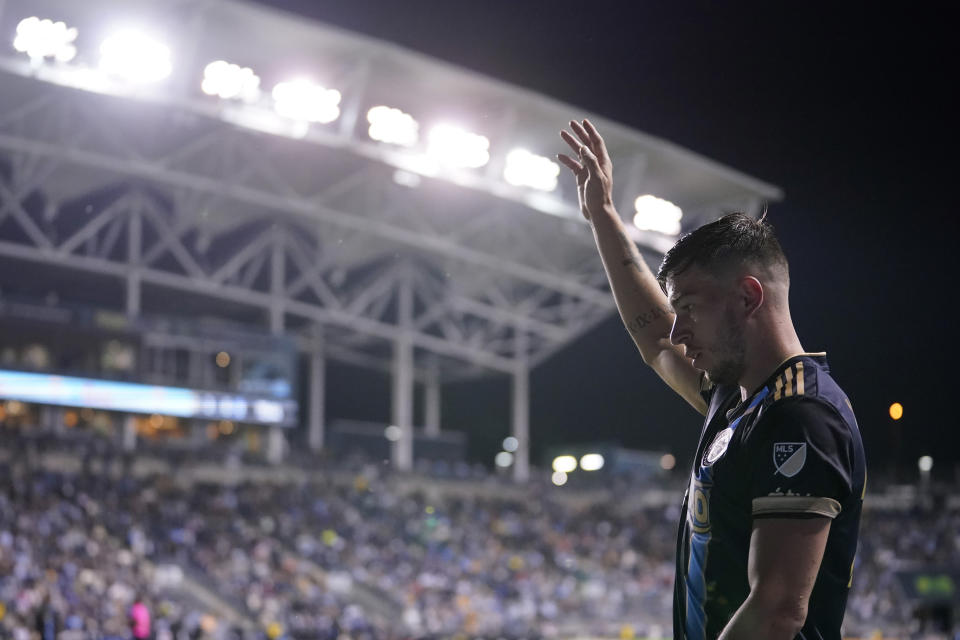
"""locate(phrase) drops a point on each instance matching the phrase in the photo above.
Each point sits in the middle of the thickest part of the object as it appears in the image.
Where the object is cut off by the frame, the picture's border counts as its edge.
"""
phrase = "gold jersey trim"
(796, 504)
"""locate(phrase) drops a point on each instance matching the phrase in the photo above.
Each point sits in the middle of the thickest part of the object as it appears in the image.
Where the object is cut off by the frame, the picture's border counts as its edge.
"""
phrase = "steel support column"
(128, 440)
(276, 438)
(432, 399)
(134, 245)
(316, 399)
(402, 450)
(520, 418)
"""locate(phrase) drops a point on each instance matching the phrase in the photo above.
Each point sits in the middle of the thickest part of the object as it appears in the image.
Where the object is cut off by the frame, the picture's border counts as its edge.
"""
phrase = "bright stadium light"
(525, 169)
(925, 464)
(306, 101)
(393, 126)
(41, 39)
(565, 464)
(511, 444)
(668, 461)
(591, 462)
(392, 433)
(230, 81)
(456, 147)
(559, 478)
(657, 214)
(135, 57)
(503, 459)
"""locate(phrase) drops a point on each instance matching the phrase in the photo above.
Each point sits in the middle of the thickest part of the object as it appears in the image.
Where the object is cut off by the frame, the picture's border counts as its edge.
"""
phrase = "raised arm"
(643, 307)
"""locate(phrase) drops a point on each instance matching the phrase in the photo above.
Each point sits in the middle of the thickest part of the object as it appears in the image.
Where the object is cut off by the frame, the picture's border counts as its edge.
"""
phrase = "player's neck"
(766, 356)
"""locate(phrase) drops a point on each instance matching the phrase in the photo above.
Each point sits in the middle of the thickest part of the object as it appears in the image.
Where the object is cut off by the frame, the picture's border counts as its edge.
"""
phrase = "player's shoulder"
(807, 376)
(802, 395)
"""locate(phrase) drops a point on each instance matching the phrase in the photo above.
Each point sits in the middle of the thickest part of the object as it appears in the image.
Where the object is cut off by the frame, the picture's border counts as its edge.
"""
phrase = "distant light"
(559, 478)
(41, 39)
(223, 359)
(136, 57)
(667, 461)
(226, 427)
(305, 101)
(525, 169)
(566, 464)
(393, 126)
(591, 462)
(511, 444)
(503, 459)
(230, 81)
(896, 411)
(657, 214)
(406, 178)
(392, 433)
(457, 147)
(925, 463)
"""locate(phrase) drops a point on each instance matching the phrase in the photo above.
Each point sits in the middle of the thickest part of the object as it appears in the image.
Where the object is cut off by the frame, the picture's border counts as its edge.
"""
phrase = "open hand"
(592, 168)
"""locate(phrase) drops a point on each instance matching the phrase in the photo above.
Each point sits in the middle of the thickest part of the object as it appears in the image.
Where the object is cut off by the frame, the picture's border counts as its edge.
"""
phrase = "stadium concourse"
(348, 548)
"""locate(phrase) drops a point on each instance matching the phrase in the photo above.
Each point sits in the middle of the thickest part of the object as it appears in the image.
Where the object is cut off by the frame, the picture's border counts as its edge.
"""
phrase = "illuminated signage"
(42, 388)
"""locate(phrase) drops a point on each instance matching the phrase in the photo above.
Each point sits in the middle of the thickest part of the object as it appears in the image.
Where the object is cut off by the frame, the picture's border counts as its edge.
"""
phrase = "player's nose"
(679, 334)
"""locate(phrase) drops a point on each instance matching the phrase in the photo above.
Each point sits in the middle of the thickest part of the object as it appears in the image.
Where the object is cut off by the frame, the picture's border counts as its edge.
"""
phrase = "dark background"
(843, 106)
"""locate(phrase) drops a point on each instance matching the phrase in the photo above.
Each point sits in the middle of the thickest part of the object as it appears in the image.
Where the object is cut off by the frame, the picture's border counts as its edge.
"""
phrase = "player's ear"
(750, 294)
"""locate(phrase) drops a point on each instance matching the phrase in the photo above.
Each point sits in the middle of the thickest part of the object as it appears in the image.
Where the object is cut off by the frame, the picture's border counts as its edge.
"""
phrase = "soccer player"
(771, 516)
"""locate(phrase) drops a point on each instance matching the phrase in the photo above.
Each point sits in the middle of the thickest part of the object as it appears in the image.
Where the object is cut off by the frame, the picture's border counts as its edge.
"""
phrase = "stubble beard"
(730, 353)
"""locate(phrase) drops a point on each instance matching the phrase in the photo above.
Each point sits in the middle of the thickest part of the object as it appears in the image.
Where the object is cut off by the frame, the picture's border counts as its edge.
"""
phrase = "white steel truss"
(170, 194)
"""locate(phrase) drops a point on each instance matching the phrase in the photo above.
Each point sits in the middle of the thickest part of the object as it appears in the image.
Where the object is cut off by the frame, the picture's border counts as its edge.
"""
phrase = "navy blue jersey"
(793, 449)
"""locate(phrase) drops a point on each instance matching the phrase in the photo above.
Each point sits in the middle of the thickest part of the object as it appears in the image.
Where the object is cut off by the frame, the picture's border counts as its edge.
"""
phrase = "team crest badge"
(788, 457)
(718, 447)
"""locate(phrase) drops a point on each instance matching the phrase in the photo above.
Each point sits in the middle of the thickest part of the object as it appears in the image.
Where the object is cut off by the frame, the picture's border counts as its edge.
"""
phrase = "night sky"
(844, 107)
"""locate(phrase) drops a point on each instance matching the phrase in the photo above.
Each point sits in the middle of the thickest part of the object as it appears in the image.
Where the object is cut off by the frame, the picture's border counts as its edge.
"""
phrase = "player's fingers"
(581, 132)
(596, 140)
(589, 160)
(572, 142)
(572, 164)
(592, 132)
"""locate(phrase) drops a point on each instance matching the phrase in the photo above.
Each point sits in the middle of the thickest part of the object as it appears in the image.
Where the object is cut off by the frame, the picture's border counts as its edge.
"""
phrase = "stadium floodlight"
(526, 169)
(393, 126)
(306, 101)
(566, 464)
(510, 444)
(668, 461)
(559, 478)
(657, 214)
(455, 147)
(135, 57)
(45, 38)
(503, 459)
(925, 464)
(230, 81)
(591, 462)
(392, 433)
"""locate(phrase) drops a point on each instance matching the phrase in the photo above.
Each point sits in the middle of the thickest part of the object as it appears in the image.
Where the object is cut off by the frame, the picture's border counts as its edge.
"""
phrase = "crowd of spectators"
(329, 559)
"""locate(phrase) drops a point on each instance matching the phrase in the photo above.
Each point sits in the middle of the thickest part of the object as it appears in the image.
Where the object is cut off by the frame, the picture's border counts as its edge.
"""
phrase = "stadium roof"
(159, 188)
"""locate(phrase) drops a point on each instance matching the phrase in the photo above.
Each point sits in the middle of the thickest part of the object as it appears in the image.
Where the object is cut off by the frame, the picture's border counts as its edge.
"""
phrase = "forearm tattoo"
(645, 319)
(634, 256)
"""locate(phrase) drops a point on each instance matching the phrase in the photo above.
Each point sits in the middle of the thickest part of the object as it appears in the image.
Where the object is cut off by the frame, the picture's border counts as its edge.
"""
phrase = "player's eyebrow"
(676, 298)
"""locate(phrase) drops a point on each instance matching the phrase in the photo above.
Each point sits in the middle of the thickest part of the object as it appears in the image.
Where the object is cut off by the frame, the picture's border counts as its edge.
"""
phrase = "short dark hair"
(734, 239)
